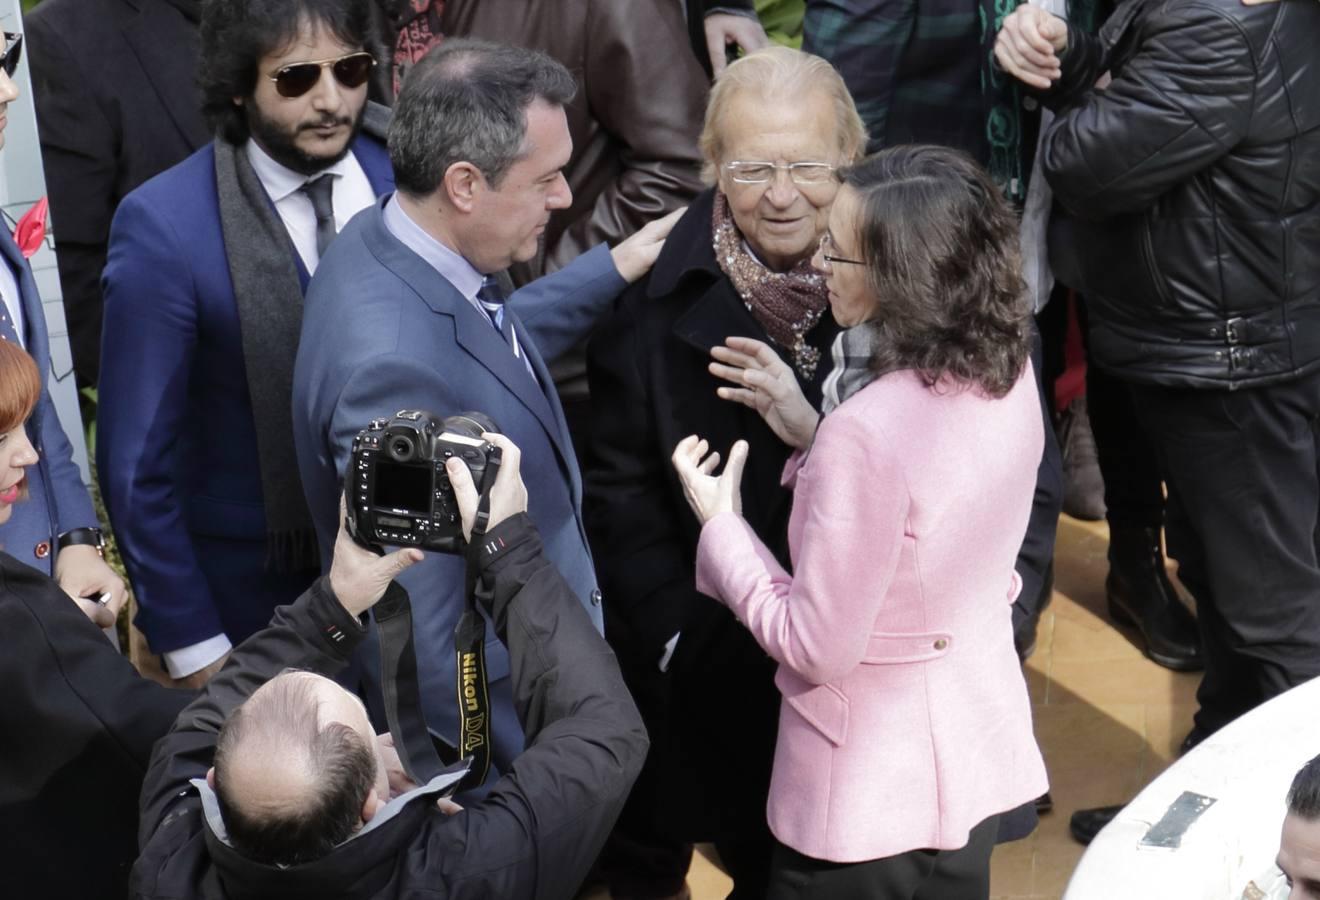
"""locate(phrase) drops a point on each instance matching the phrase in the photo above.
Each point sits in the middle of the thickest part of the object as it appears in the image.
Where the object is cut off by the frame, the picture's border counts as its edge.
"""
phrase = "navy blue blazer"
(177, 448)
(383, 331)
(57, 498)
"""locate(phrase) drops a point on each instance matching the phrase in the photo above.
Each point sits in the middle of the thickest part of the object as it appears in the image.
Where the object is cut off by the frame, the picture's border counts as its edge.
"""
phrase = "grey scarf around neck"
(269, 298)
(851, 353)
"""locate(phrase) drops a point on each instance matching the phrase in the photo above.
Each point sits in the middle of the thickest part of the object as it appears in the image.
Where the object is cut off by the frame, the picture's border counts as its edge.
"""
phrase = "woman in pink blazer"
(905, 728)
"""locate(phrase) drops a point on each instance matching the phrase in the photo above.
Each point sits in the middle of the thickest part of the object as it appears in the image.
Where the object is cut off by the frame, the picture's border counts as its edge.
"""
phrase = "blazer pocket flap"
(824, 706)
(887, 649)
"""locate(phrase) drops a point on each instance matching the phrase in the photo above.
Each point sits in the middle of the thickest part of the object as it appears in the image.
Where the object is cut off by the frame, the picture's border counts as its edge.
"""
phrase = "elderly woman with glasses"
(905, 728)
(778, 124)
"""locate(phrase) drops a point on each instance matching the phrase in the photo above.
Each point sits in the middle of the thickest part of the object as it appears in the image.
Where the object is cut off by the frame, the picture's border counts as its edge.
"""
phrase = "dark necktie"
(319, 191)
(491, 297)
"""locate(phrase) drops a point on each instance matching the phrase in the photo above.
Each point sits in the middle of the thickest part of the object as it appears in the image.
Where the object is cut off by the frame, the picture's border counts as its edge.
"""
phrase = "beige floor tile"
(1086, 637)
(1011, 868)
(1104, 683)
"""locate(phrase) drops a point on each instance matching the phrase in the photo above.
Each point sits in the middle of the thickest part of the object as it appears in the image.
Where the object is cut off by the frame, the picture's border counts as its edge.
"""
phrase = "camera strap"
(399, 685)
(474, 741)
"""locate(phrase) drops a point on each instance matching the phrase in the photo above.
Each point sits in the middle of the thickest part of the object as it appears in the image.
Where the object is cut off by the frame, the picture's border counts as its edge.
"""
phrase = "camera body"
(396, 489)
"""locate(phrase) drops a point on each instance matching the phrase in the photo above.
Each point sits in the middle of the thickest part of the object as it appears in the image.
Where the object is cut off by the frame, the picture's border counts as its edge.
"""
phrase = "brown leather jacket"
(635, 120)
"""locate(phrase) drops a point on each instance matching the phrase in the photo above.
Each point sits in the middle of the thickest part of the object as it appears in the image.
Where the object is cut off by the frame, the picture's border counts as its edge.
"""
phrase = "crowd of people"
(772, 358)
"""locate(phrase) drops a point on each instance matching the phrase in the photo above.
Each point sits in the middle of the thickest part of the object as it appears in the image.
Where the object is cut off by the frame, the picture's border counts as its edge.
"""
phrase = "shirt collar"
(279, 180)
(452, 266)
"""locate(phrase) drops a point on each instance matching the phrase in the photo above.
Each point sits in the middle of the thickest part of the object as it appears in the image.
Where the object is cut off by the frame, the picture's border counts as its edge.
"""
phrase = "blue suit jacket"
(383, 331)
(177, 448)
(57, 498)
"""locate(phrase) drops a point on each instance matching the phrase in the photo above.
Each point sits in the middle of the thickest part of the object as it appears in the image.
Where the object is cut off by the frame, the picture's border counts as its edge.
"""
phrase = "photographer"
(300, 779)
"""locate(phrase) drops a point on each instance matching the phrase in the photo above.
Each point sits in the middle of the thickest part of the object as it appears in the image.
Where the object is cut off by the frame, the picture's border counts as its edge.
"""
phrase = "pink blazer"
(905, 720)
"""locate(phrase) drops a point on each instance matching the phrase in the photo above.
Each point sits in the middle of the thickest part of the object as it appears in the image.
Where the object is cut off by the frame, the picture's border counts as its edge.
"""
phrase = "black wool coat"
(714, 715)
(77, 725)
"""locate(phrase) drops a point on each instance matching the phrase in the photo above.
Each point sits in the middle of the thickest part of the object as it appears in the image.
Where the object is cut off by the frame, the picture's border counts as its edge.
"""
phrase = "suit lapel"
(155, 41)
(472, 330)
(719, 314)
(559, 435)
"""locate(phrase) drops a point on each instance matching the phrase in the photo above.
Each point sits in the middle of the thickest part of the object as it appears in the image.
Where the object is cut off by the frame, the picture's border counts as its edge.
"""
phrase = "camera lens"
(401, 448)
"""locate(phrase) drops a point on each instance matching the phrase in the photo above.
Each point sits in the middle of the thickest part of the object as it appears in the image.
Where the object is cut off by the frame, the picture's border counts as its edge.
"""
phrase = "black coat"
(77, 725)
(114, 83)
(650, 388)
(534, 835)
(1192, 187)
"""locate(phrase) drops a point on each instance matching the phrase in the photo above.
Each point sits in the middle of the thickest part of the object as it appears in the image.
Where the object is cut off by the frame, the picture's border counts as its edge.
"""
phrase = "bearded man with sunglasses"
(206, 269)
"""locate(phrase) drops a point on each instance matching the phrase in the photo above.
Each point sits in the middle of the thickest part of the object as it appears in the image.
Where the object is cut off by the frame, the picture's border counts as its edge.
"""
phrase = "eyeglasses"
(13, 53)
(826, 245)
(351, 71)
(802, 173)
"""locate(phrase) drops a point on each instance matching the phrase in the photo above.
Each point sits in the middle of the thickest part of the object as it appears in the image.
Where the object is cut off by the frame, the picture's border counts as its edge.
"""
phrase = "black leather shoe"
(1044, 804)
(1085, 824)
(1139, 594)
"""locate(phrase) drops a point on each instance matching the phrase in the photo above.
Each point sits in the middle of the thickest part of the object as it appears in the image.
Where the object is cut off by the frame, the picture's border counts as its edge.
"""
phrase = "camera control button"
(595, 598)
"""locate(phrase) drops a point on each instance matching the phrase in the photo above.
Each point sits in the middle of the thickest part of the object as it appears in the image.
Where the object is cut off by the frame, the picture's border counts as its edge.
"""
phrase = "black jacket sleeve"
(1182, 101)
(314, 633)
(539, 830)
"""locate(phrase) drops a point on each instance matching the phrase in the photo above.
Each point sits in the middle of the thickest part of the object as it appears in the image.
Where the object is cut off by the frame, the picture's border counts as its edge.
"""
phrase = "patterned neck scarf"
(417, 23)
(786, 304)
(851, 352)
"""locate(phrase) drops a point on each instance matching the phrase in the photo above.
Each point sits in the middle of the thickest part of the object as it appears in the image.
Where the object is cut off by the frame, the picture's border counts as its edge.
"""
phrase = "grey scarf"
(269, 298)
(851, 353)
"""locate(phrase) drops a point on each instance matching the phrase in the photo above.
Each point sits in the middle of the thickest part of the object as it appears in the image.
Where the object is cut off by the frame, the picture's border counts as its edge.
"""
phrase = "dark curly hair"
(236, 34)
(941, 250)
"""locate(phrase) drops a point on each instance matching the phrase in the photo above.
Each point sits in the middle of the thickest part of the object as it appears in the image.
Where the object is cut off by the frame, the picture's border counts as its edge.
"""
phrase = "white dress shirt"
(352, 193)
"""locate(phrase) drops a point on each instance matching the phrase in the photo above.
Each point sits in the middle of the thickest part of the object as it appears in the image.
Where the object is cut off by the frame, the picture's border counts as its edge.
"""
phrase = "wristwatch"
(90, 536)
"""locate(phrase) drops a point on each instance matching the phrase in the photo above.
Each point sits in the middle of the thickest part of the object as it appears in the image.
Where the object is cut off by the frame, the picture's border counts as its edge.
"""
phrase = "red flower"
(31, 229)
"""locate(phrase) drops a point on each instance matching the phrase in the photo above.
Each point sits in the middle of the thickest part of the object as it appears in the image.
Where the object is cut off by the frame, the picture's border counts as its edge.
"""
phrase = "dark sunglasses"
(13, 53)
(351, 71)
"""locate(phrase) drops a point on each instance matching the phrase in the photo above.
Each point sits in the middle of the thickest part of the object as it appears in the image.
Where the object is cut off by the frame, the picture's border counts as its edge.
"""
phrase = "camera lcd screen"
(404, 487)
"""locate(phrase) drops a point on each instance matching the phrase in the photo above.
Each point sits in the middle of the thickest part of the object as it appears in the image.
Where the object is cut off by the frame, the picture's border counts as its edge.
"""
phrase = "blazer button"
(42, 550)
(595, 598)
(941, 644)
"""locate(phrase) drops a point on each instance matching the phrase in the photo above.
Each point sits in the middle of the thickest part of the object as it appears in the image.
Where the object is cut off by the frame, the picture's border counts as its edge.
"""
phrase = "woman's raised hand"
(766, 384)
(706, 494)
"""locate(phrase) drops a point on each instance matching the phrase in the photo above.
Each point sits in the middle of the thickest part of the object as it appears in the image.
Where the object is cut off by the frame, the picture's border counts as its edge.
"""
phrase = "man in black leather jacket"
(1186, 155)
(534, 835)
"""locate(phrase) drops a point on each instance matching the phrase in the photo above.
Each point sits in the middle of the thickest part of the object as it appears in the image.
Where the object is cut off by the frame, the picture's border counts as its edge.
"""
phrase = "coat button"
(42, 550)
(941, 644)
(595, 598)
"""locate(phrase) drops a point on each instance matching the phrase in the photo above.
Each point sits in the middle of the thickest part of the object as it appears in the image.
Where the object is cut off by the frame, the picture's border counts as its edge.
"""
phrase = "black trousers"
(962, 874)
(1243, 470)
(1129, 463)
(1134, 494)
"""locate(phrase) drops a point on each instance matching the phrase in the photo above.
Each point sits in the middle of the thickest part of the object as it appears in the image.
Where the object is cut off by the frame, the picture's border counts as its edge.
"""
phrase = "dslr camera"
(396, 489)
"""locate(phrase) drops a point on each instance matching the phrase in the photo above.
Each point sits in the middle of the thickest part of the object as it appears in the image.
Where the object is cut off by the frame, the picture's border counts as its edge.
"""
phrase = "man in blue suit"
(55, 531)
(206, 269)
(404, 314)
